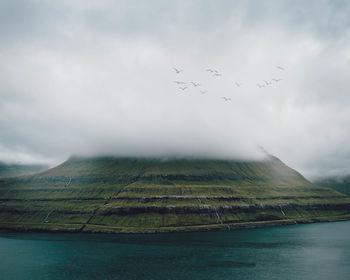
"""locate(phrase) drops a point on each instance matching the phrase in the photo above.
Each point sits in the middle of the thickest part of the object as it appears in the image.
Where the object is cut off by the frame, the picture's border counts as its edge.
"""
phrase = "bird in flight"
(226, 98)
(203, 91)
(210, 70)
(277, 80)
(280, 68)
(180, 83)
(268, 83)
(238, 84)
(195, 84)
(260, 86)
(177, 71)
(182, 88)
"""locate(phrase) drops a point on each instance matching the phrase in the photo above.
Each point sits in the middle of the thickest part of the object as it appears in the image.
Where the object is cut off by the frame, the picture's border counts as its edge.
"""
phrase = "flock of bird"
(215, 73)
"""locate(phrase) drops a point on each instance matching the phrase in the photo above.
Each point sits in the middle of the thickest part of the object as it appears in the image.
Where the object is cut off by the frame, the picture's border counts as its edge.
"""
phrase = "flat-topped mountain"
(109, 194)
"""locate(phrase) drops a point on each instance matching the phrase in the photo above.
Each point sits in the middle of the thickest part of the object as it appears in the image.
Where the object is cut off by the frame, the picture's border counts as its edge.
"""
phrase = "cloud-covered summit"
(96, 77)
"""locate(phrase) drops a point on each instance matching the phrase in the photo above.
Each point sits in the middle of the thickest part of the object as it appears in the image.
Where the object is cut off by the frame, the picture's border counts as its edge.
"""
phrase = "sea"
(310, 251)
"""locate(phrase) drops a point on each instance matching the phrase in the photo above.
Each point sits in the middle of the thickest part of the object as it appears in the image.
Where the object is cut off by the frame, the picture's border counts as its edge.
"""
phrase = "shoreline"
(102, 229)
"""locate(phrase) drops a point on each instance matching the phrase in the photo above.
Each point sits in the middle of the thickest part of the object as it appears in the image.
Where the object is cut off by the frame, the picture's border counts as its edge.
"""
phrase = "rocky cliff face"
(108, 194)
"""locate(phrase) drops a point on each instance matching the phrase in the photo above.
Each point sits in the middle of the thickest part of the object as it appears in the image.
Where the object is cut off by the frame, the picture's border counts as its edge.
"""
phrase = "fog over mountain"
(97, 77)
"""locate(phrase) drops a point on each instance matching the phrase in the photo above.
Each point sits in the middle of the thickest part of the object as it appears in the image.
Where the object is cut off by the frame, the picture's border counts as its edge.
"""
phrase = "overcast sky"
(96, 77)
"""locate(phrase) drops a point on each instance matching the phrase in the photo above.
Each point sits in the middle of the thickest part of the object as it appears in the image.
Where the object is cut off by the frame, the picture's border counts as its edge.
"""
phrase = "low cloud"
(96, 77)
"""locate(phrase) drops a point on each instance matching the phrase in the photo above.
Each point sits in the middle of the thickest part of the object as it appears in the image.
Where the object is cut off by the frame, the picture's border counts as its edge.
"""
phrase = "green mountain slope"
(109, 194)
(12, 170)
(338, 183)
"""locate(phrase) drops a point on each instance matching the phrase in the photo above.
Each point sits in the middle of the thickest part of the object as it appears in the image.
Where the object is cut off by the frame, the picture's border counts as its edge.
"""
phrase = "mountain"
(338, 183)
(12, 170)
(109, 194)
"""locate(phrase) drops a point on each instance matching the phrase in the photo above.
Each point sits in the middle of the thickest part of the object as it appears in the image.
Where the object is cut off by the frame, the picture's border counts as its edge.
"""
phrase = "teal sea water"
(313, 251)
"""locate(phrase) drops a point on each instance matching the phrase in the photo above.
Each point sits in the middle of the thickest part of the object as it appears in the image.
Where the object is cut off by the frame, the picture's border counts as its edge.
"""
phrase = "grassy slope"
(340, 184)
(145, 195)
(12, 170)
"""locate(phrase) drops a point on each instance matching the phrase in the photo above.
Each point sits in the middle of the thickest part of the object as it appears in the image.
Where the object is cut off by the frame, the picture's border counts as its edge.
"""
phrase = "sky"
(96, 78)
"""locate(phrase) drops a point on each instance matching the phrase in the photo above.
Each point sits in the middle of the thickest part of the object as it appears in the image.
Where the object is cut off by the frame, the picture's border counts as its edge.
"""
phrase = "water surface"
(313, 251)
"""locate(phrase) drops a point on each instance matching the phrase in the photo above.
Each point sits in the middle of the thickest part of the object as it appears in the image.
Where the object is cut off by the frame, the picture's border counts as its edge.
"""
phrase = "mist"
(97, 78)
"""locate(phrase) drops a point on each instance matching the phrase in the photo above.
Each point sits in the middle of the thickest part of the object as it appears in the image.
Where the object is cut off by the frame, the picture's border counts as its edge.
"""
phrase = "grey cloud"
(95, 77)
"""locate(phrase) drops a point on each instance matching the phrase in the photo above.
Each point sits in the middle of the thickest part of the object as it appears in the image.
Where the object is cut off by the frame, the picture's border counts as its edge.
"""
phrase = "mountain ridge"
(338, 183)
(13, 170)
